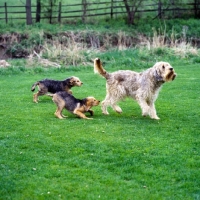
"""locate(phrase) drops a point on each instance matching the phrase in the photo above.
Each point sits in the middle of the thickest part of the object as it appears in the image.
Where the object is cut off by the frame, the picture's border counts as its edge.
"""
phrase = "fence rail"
(114, 8)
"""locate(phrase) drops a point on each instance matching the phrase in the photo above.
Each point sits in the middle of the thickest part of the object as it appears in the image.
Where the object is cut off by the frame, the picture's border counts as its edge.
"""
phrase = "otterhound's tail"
(99, 69)
(33, 86)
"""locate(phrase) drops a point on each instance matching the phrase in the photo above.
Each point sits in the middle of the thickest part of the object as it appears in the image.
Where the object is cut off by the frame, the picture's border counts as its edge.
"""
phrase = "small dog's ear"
(71, 81)
(84, 101)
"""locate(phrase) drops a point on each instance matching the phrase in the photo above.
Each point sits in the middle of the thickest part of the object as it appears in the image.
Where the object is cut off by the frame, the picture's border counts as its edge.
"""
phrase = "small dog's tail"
(33, 86)
(98, 68)
(50, 95)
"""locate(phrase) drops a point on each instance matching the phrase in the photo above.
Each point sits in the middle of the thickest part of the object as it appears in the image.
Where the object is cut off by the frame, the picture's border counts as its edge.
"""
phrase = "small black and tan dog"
(73, 105)
(53, 86)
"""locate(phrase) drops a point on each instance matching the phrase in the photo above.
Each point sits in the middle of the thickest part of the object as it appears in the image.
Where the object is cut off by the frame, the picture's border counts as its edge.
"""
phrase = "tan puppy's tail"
(34, 85)
(98, 68)
(50, 95)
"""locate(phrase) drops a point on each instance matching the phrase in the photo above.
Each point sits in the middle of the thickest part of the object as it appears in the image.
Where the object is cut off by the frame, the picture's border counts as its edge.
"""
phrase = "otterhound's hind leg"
(117, 108)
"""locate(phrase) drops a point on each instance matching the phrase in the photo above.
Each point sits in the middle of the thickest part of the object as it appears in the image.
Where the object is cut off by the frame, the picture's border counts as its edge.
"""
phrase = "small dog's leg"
(58, 112)
(80, 114)
(91, 112)
(152, 112)
(35, 97)
(60, 106)
(64, 116)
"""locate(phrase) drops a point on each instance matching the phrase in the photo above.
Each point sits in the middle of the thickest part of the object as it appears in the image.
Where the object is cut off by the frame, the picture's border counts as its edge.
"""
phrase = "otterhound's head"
(75, 81)
(164, 72)
(91, 101)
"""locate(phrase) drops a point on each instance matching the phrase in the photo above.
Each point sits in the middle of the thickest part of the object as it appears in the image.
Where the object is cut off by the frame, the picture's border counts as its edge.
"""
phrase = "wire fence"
(60, 13)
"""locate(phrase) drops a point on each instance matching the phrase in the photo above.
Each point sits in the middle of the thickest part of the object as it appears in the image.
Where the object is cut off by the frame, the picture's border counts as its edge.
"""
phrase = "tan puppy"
(73, 105)
(143, 87)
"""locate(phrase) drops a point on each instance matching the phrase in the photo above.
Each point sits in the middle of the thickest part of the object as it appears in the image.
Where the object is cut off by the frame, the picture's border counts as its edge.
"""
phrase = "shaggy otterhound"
(143, 87)
(73, 105)
(53, 86)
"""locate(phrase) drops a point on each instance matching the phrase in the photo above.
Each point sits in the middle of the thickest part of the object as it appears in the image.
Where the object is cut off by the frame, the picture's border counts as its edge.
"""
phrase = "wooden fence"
(114, 8)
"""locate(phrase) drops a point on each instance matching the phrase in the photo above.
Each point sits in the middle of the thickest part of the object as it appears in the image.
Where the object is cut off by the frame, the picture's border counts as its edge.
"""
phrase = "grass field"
(110, 157)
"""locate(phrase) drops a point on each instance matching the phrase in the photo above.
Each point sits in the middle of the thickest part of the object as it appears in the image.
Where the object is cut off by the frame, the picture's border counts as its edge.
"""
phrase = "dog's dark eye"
(163, 66)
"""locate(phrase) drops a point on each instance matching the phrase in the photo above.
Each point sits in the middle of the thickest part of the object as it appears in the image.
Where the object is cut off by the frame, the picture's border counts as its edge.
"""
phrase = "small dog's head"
(91, 101)
(164, 72)
(75, 81)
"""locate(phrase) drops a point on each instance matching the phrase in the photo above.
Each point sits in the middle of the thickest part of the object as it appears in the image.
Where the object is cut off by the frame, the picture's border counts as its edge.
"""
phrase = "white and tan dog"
(143, 87)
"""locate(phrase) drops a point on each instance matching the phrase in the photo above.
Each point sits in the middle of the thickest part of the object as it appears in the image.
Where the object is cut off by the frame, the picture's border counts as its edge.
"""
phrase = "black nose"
(171, 68)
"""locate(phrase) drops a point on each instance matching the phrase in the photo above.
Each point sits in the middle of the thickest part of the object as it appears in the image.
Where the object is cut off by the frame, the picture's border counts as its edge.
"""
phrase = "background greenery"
(121, 156)
(110, 157)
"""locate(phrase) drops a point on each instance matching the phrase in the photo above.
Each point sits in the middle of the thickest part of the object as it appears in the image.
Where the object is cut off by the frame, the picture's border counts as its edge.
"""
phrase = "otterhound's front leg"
(152, 112)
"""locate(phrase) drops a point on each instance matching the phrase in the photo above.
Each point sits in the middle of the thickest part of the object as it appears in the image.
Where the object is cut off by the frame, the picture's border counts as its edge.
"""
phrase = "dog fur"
(73, 105)
(53, 86)
(144, 87)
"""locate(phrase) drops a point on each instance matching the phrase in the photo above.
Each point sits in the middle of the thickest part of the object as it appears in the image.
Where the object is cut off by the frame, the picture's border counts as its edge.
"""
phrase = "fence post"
(50, 12)
(38, 11)
(196, 9)
(160, 9)
(59, 13)
(28, 12)
(6, 13)
(84, 6)
(111, 9)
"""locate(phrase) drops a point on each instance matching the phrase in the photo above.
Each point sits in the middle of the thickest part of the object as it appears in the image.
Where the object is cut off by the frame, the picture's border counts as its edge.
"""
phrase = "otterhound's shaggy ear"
(158, 76)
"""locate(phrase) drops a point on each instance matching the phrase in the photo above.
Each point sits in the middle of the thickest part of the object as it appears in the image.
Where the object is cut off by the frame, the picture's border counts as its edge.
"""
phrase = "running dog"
(53, 86)
(73, 105)
(144, 87)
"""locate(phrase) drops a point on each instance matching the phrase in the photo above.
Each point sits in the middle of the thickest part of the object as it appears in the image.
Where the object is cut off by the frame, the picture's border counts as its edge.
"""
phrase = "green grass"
(110, 157)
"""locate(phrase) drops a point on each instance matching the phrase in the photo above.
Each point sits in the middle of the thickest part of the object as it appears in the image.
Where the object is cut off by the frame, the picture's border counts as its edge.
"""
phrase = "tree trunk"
(131, 10)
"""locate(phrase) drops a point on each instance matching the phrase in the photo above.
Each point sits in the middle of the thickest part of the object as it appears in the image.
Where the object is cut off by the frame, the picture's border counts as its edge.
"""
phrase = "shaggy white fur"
(143, 87)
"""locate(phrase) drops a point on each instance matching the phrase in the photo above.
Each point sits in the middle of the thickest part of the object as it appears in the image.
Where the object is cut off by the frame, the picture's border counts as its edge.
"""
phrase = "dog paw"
(58, 116)
(144, 114)
(105, 113)
(119, 111)
(88, 118)
(157, 118)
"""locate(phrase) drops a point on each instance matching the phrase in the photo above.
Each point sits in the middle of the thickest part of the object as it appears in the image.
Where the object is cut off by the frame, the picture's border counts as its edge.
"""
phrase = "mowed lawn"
(120, 157)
